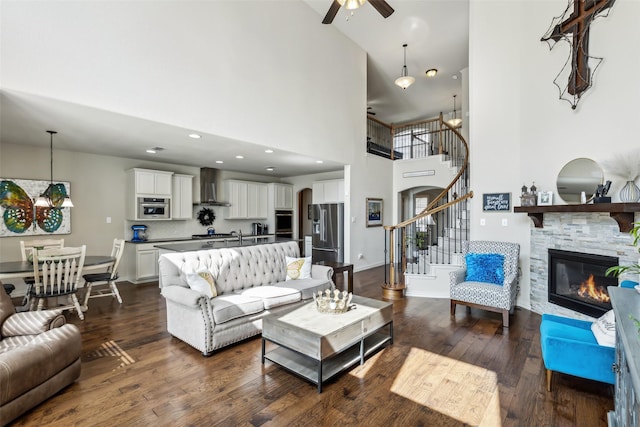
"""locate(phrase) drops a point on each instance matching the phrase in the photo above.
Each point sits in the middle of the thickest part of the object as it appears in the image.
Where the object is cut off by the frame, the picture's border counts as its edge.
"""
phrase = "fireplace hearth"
(578, 282)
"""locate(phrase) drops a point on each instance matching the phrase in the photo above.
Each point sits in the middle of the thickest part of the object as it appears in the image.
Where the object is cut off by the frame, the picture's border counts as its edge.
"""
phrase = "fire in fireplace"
(590, 291)
(578, 282)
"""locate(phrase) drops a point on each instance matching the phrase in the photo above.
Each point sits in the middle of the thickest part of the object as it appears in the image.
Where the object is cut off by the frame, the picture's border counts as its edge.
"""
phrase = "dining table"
(22, 269)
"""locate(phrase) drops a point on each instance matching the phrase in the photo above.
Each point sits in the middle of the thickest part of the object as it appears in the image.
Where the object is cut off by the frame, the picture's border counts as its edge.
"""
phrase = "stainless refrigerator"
(328, 232)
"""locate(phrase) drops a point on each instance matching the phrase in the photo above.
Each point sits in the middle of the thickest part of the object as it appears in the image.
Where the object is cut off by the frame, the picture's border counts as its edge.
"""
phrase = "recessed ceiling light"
(431, 72)
(268, 151)
(319, 161)
(194, 136)
(239, 157)
(270, 168)
(151, 151)
(219, 161)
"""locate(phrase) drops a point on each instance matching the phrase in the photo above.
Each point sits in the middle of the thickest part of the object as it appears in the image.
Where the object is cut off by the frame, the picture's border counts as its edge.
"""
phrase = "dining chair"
(26, 250)
(57, 273)
(107, 278)
(26, 246)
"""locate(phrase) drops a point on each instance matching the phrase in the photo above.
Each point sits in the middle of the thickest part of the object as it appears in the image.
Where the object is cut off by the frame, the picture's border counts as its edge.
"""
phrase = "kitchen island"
(195, 245)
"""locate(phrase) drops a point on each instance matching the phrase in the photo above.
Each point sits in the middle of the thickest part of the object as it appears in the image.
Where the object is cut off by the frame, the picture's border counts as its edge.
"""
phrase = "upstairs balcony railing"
(413, 140)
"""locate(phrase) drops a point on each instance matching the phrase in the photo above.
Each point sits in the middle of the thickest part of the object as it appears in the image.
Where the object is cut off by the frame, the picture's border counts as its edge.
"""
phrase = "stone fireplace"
(585, 232)
(578, 281)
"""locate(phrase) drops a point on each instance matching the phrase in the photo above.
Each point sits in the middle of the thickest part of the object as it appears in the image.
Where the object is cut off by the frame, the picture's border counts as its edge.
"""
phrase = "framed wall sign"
(374, 212)
(496, 202)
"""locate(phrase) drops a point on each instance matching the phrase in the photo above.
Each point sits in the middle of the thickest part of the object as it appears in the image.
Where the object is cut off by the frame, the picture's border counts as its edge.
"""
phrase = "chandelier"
(55, 196)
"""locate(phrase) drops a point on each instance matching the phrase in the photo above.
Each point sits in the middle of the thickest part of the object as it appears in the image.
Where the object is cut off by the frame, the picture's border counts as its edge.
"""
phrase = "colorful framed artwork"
(19, 216)
(374, 212)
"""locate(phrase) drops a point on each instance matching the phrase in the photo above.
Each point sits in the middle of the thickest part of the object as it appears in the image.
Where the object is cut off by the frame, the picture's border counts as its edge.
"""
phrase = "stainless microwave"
(154, 208)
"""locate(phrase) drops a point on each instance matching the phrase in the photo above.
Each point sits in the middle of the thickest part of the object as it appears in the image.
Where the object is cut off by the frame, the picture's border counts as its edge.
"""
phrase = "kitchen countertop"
(203, 239)
(224, 243)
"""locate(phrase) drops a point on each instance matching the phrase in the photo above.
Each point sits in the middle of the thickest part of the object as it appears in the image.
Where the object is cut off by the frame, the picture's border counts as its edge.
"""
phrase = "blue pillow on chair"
(486, 268)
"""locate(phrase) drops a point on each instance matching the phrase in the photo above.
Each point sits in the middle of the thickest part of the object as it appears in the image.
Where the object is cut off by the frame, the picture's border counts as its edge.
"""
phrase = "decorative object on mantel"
(545, 198)
(630, 193)
(573, 27)
(529, 197)
(578, 176)
(619, 270)
(626, 166)
(601, 193)
(333, 301)
(206, 216)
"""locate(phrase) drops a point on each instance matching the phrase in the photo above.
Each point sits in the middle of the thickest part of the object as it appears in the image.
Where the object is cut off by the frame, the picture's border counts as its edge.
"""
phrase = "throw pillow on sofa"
(298, 268)
(604, 329)
(203, 282)
(486, 268)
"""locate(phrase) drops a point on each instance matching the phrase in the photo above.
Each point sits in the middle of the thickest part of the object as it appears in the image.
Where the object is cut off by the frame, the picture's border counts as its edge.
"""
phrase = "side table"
(340, 267)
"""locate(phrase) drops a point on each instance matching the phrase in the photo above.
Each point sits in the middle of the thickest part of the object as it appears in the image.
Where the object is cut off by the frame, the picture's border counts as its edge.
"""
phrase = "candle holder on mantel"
(529, 197)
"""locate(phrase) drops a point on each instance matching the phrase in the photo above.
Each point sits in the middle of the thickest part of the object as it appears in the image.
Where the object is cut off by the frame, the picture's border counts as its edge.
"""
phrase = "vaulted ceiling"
(436, 32)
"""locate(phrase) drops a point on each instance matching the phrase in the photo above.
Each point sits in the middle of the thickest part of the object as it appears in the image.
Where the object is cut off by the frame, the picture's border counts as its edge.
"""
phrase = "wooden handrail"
(391, 288)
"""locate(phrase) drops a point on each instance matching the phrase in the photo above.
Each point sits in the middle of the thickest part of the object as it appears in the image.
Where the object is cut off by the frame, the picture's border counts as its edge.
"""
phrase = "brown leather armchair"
(39, 356)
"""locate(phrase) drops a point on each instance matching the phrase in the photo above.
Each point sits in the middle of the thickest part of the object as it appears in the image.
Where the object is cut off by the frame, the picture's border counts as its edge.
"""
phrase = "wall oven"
(284, 224)
(154, 208)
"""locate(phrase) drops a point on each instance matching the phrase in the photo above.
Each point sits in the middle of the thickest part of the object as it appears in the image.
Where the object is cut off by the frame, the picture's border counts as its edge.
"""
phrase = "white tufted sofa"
(250, 281)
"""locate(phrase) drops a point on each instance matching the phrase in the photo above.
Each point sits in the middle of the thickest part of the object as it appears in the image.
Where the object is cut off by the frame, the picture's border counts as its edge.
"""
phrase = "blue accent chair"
(563, 339)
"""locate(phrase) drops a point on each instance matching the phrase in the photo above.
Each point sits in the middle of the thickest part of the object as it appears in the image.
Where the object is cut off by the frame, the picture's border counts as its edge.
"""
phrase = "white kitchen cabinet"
(283, 196)
(329, 191)
(248, 200)
(146, 183)
(152, 183)
(182, 197)
(256, 200)
(146, 261)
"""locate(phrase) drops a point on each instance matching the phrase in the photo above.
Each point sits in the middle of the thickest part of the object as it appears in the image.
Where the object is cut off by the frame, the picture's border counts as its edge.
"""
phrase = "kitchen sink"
(212, 236)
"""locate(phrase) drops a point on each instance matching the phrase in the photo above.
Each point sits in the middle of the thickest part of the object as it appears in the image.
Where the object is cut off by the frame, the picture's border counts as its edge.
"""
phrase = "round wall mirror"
(577, 176)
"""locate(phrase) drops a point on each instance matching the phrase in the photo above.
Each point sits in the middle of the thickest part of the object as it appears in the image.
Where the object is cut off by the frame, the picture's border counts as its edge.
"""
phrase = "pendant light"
(405, 80)
(454, 121)
(45, 199)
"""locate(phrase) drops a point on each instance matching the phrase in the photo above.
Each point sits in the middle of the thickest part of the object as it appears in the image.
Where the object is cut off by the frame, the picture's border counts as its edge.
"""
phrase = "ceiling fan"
(381, 6)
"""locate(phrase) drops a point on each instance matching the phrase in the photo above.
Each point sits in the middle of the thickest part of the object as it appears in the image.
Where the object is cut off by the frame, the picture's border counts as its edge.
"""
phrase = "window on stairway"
(420, 204)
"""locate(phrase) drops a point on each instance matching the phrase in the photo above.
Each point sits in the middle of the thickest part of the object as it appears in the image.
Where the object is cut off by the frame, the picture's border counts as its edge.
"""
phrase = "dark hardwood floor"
(439, 372)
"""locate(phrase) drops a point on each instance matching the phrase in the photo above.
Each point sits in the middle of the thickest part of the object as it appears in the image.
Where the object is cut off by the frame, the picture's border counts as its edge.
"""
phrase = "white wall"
(256, 71)
(519, 131)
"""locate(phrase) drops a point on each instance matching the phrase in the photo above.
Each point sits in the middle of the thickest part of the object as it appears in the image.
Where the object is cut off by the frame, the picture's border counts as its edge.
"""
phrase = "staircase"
(420, 251)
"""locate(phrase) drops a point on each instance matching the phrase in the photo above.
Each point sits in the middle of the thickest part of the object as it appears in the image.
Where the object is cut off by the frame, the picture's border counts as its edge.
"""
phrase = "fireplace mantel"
(623, 213)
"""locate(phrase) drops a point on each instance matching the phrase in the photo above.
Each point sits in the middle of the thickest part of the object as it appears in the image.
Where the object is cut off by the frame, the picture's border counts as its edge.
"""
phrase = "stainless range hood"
(209, 179)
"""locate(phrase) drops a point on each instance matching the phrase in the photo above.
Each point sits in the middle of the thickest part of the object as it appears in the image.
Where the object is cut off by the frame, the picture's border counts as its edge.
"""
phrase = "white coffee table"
(318, 346)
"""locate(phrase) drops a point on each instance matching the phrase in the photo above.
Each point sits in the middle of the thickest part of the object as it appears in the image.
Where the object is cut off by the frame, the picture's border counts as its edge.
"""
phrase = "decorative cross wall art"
(573, 26)
(19, 215)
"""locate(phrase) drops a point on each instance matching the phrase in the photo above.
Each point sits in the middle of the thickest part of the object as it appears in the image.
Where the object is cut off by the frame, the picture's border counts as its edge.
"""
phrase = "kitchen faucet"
(237, 233)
